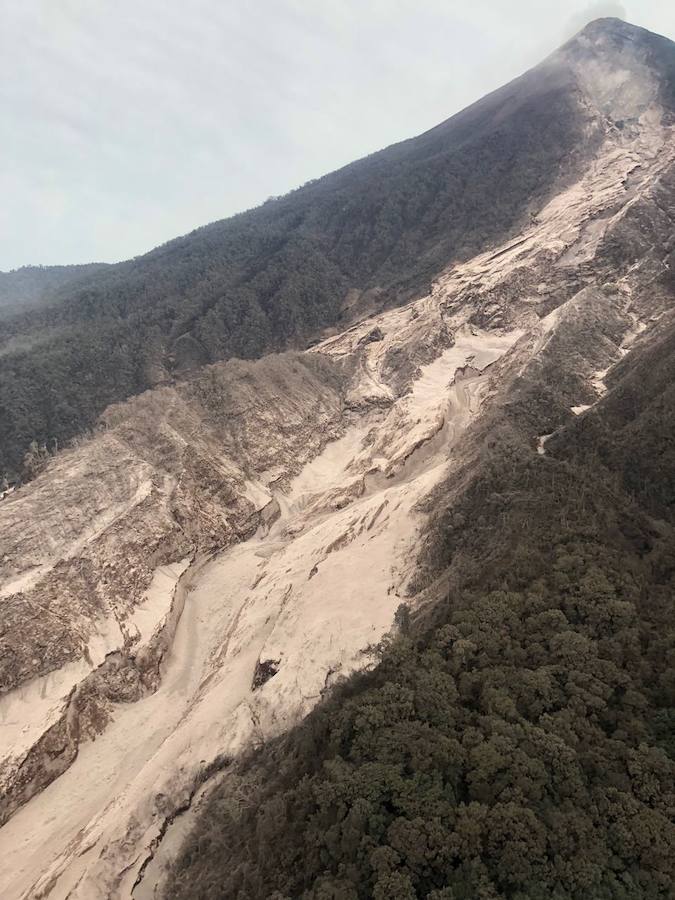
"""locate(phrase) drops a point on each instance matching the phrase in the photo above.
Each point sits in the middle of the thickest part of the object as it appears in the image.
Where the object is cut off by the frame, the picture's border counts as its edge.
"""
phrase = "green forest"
(517, 738)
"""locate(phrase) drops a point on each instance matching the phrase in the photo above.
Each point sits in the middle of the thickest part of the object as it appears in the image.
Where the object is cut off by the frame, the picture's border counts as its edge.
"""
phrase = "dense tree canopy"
(517, 740)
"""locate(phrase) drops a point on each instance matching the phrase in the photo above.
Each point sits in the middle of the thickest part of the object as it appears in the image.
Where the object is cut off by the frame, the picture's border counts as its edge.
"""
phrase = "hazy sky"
(124, 123)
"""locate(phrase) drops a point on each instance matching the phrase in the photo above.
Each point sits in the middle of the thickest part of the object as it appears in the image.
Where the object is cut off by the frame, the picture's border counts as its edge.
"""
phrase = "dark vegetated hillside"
(32, 286)
(634, 434)
(518, 740)
(275, 276)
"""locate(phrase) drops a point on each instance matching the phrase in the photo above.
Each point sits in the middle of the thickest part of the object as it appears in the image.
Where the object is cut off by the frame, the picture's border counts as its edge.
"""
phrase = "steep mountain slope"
(369, 235)
(187, 582)
(517, 739)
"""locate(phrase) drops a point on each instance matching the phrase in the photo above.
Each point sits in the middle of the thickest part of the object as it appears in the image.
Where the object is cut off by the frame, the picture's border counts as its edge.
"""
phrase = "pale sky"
(124, 123)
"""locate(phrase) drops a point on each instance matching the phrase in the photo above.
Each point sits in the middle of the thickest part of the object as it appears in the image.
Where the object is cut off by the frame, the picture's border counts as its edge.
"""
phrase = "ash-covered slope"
(372, 234)
(189, 581)
(517, 737)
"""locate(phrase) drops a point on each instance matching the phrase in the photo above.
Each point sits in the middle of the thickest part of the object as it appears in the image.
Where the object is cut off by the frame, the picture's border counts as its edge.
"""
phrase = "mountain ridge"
(368, 236)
